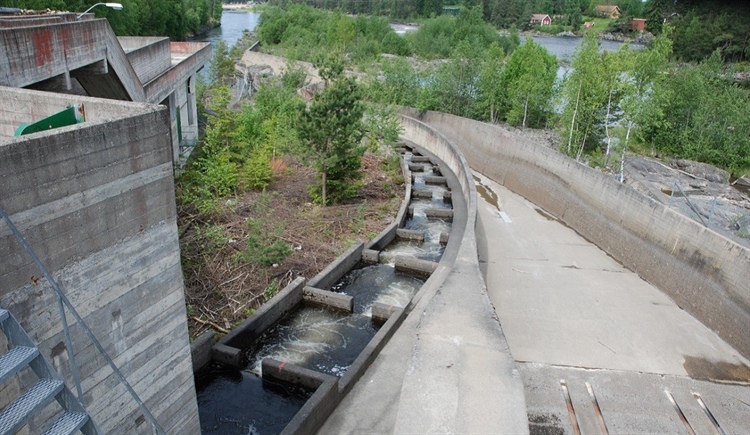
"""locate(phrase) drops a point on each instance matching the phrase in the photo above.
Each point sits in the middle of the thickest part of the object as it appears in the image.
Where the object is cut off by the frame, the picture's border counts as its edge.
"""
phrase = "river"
(234, 22)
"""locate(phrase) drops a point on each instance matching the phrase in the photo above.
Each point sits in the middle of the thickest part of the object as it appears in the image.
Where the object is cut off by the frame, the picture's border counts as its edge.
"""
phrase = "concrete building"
(95, 201)
(58, 53)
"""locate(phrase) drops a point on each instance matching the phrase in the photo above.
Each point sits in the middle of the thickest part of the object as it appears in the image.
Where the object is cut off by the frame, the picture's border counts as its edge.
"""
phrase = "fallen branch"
(211, 324)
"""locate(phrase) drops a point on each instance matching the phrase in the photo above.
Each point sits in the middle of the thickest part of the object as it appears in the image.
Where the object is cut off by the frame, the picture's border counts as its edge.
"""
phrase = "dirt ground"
(224, 285)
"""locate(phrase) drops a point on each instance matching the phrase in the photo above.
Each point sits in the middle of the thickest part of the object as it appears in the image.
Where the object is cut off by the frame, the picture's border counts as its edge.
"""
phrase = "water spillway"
(301, 352)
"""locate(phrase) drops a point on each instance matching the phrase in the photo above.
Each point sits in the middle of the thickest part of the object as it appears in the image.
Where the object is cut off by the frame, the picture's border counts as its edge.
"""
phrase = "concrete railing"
(454, 303)
(705, 273)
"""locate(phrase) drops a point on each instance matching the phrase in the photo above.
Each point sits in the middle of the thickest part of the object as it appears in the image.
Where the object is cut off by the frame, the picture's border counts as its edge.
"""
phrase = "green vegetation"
(308, 34)
(173, 18)
(608, 103)
(699, 115)
(702, 27)
(331, 131)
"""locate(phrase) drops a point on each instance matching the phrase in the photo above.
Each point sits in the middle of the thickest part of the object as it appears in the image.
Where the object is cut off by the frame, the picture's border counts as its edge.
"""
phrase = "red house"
(638, 24)
(540, 20)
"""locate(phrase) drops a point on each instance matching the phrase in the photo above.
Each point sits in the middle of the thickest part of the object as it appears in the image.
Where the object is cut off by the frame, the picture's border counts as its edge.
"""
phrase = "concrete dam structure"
(94, 201)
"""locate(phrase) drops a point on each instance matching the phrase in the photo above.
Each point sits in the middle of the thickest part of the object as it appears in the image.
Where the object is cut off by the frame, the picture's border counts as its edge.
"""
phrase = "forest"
(604, 106)
(700, 26)
(176, 19)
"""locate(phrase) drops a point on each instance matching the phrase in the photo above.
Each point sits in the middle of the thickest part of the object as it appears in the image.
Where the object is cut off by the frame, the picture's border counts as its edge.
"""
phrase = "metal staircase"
(24, 353)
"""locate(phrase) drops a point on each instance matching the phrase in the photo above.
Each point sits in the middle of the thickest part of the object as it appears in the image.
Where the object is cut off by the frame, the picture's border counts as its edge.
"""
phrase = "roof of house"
(608, 8)
(539, 17)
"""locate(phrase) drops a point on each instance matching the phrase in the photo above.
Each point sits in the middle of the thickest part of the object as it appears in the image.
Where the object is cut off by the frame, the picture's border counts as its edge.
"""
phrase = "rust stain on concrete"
(42, 41)
(706, 370)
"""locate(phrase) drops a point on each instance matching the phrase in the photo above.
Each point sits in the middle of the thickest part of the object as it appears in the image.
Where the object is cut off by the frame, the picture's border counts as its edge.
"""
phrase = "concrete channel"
(274, 345)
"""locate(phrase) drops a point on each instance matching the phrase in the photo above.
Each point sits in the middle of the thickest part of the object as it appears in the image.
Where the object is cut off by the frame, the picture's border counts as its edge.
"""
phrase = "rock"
(567, 34)
(742, 181)
(702, 170)
(742, 225)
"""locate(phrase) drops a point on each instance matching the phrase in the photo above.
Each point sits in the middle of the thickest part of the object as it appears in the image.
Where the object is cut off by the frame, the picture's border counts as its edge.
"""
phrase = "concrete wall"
(34, 54)
(96, 202)
(21, 106)
(457, 292)
(705, 273)
(149, 55)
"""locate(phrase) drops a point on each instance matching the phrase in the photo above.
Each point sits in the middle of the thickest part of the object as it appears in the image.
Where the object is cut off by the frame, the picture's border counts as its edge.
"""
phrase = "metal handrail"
(64, 300)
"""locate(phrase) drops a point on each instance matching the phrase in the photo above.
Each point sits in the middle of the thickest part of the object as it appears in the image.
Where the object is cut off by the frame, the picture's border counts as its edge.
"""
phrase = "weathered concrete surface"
(447, 368)
(269, 313)
(338, 268)
(703, 272)
(200, 349)
(328, 298)
(569, 311)
(85, 58)
(149, 56)
(96, 202)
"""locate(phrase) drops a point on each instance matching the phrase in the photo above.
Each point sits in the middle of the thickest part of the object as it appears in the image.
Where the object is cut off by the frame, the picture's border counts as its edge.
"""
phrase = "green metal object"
(73, 114)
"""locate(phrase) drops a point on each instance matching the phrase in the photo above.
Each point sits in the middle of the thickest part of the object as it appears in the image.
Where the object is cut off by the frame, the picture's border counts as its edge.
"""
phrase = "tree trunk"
(323, 187)
(573, 121)
(622, 157)
(525, 111)
(606, 129)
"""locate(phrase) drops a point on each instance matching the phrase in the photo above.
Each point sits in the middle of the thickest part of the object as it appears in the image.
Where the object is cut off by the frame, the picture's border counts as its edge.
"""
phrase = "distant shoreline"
(237, 7)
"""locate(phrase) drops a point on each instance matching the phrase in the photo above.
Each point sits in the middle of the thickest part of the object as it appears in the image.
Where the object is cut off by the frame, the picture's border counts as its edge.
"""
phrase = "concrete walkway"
(568, 311)
(571, 312)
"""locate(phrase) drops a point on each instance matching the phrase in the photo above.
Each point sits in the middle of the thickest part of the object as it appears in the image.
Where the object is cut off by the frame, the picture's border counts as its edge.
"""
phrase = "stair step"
(15, 415)
(14, 360)
(68, 423)
(3, 314)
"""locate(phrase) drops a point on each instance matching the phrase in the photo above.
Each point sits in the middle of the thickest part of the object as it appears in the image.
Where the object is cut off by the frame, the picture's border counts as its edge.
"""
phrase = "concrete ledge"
(383, 239)
(338, 268)
(421, 159)
(370, 256)
(401, 216)
(415, 265)
(444, 237)
(435, 180)
(416, 167)
(200, 350)
(382, 312)
(316, 409)
(448, 196)
(326, 298)
(369, 353)
(248, 331)
(389, 233)
(416, 235)
(421, 193)
(439, 213)
(228, 355)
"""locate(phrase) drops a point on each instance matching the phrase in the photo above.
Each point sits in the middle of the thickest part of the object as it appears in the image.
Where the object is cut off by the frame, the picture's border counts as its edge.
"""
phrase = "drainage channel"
(287, 367)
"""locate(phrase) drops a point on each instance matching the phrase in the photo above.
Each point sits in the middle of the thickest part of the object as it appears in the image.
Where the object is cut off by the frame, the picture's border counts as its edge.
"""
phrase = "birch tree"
(528, 80)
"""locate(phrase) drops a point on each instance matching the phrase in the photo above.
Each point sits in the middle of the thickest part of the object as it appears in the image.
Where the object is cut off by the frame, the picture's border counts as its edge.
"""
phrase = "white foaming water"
(309, 334)
(397, 294)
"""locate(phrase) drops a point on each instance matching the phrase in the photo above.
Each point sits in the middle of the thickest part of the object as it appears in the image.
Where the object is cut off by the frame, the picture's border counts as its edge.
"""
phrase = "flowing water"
(323, 339)
(237, 402)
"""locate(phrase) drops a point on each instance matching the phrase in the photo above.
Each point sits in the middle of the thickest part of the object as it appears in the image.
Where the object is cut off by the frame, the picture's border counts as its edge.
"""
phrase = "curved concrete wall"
(453, 306)
(705, 273)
